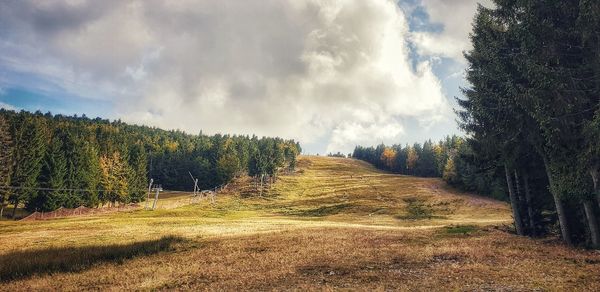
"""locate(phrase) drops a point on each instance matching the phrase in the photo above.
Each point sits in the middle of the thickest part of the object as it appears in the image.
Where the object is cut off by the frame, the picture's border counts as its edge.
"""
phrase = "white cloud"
(7, 106)
(310, 70)
(456, 17)
(363, 134)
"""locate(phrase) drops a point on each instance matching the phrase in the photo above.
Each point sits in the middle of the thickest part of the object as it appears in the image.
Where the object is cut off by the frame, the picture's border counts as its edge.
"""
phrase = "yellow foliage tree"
(114, 178)
(388, 157)
(172, 146)
(412, 158)
(450, 175)
(440, 156)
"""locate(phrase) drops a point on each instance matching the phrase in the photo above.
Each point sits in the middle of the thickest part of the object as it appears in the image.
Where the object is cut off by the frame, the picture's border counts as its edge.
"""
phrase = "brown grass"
(23, 263)
(335, 224)
(330, 258)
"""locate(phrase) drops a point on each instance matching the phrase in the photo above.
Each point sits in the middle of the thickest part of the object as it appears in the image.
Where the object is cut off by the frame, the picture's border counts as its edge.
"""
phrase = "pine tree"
(54, 173)
(411, 160)
(138, 178)
(449, 174)
(227, 167)
(558, 64)
(228, 163)
(589, 21)
(290, 153)
(493, 121)
(533, 91)
(592, 153)
(401, 159)
(427, 160)
(30, 143)
(169, 155)
(5, 162)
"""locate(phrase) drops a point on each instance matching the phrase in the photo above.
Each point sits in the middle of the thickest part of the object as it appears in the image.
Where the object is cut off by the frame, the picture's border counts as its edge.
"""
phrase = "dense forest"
(427, 160)
(451, 159)
(51, 161)
(532, 118)
(533, 107)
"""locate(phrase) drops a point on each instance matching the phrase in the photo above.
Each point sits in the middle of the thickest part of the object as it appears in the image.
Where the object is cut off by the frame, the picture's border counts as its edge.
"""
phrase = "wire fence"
(193, 197)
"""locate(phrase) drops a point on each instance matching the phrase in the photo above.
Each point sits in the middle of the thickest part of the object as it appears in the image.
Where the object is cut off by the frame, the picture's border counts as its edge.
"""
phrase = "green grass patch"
(320, 211)
(460, 229)
(416, 210)
(22, 264)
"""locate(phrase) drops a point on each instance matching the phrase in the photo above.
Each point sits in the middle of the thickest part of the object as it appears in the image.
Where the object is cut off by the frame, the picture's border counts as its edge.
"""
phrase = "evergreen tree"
(591, 155)
(54, 173)
(559, 94)
(401, 159)
(5, 162)
(227, 167)
(449, 174)
(427, 161)
(167, 156)
(412, 158)
(138, 179)
(532, 91)
(30, 142)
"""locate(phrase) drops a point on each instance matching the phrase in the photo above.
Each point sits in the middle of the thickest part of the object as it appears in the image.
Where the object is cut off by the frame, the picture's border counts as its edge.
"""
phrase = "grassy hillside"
(335, 223)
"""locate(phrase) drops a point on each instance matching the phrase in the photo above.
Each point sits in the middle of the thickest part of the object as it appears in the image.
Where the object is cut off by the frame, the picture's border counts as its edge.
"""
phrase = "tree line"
(51, 161)
(426, 160)
(451, 159)
(533, 108)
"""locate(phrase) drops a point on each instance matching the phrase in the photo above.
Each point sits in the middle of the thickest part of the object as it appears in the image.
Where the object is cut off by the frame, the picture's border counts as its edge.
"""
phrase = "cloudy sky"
(330, 73)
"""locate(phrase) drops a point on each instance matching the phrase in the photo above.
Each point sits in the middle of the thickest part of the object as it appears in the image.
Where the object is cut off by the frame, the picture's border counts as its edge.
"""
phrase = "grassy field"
(334, 224)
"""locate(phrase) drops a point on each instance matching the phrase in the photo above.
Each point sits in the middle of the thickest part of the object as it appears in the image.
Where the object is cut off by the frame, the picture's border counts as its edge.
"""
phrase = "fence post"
(158, 189)
(149, 190)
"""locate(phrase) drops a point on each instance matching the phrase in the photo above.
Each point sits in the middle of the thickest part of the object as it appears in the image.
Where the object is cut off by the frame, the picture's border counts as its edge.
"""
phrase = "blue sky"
(330, 74)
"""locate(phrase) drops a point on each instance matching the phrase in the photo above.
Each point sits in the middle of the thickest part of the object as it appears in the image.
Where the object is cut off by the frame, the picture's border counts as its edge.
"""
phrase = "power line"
(48, 189)
(89, 190)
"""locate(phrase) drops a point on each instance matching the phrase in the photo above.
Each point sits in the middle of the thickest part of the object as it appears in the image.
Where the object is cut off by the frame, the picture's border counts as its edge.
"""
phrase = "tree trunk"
(595, 172)
(588, 206)
(14, 212)
(528, 201)
(514, 202)
(518, 187)
(262, 176)
(1, 210)
(521, 201)
(560, 210)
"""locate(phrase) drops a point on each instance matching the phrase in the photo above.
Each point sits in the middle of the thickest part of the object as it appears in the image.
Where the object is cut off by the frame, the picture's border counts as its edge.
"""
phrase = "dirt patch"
(448, 258)
(324, 270)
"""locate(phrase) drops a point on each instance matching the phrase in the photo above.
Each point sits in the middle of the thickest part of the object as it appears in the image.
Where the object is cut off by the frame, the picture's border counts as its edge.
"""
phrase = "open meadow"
(335, 223)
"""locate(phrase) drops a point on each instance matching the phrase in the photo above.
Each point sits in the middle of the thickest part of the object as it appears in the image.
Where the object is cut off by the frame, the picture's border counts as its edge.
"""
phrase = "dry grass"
(336, 223)
(21, 264)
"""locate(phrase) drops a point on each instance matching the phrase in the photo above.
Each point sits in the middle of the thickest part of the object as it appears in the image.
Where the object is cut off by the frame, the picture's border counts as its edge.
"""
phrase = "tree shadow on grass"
(23, 264)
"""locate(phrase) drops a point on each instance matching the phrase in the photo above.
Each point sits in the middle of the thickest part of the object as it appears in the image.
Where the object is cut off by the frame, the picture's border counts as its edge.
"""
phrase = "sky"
(332, 74)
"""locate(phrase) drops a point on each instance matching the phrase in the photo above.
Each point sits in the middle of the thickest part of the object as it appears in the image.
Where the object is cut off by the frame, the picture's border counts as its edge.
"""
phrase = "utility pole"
(195, 186)
(149, 190)
(158, 189)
